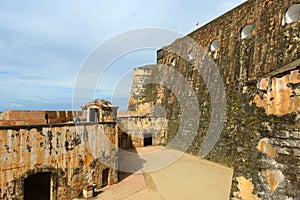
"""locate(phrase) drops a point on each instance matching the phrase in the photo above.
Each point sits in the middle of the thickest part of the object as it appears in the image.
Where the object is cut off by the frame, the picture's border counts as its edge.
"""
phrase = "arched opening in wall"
(37, 187)
(247, 31)
(190, 55)
(105, 174)
(214, 45)
(147, 140)
(173, 62)
(292, 14)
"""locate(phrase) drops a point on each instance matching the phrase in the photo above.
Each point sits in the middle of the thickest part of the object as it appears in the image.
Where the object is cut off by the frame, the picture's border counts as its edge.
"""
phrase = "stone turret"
(100, 110)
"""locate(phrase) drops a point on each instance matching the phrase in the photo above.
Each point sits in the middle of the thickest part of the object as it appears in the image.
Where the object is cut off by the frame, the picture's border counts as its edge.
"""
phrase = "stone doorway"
(105, 174)
(147, 140)
(37, 187)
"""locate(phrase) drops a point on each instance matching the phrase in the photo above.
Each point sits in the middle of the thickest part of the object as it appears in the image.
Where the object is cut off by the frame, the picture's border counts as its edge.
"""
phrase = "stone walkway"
(188, 178)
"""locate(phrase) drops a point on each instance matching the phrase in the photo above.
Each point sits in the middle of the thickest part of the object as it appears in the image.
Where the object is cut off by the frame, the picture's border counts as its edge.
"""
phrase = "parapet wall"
(29, 117)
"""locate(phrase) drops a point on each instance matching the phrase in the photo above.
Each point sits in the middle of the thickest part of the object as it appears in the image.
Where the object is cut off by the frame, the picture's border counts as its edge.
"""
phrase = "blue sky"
(44, 43)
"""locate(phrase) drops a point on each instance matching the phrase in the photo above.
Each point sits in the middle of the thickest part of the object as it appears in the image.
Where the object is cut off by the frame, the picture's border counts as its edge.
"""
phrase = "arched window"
(190, 55)
(214, 45)
(292, 14)
(173, 62)
(247, 31)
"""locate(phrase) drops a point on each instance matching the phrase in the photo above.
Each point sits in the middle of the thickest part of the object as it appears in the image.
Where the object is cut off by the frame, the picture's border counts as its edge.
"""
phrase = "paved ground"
(187, 178)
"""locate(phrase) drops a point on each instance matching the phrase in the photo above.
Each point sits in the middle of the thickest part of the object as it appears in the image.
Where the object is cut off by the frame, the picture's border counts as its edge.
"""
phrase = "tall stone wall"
(75, 156)
(260, 72)
(139, 92)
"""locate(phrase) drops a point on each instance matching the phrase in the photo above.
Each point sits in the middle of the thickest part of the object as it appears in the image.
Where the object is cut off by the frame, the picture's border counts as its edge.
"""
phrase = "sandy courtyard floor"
(188, 178)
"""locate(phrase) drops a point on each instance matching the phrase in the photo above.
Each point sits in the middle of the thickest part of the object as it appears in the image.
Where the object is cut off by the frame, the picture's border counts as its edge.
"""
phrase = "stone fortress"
(256, 49)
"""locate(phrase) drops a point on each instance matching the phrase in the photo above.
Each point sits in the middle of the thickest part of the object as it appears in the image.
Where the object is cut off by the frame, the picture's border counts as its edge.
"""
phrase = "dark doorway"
(105, 173)
(147, 140)
(94, 113)
(124, 140)
(124, 143)
(37, 187)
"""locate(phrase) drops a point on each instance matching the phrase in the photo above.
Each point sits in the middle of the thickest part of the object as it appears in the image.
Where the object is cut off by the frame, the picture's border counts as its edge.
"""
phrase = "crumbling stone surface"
(274, 178)
(265, 147)
(279, 95)
(75, 156)
(245, 190)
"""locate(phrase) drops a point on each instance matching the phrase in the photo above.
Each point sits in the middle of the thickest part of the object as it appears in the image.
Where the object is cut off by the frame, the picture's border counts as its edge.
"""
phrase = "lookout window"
(214, 45)
(292, 14)
(247, 31)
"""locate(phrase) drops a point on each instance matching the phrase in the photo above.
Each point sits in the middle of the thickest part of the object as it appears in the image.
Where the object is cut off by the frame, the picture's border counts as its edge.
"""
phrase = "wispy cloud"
(44, 43)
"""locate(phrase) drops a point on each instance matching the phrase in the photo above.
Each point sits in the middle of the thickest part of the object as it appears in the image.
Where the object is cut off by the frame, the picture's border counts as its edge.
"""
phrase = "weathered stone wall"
(74, 155)
(138, 127)
(139, 121)
(139, 92)
(279, 97)
(260, 139)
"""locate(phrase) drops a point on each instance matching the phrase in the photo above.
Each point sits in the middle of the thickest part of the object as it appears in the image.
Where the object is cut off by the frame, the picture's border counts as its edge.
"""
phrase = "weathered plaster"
(265, 147)
(245, 187)
(279, 95)
(274, 178)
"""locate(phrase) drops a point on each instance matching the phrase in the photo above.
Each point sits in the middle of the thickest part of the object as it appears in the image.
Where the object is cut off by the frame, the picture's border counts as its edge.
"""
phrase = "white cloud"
(43, 43)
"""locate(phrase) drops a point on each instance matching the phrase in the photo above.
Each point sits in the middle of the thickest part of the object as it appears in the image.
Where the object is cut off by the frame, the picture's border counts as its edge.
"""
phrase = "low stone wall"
(29, 117)
(139, 127)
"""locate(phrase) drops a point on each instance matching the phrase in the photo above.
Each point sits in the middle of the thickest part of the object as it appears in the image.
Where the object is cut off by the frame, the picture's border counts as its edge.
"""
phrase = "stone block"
(295, 135)
(296, 152)
(88, 192)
